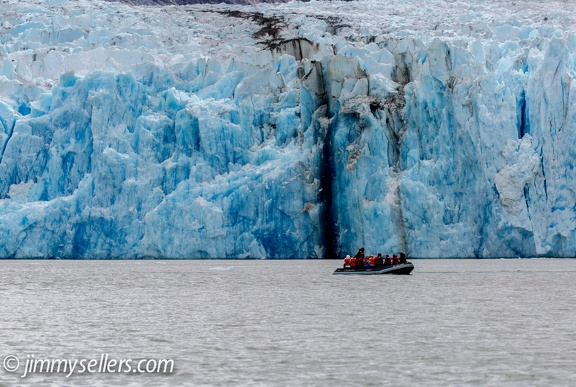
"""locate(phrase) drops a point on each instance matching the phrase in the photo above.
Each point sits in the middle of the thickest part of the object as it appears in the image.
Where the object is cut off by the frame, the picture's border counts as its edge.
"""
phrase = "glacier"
(297, 130)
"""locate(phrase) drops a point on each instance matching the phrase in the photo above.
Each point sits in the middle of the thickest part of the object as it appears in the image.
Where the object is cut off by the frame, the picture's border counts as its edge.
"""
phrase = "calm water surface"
(497, 322)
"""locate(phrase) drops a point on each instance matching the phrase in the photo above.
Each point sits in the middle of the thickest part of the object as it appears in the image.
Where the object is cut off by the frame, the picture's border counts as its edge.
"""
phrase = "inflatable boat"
(400, 268)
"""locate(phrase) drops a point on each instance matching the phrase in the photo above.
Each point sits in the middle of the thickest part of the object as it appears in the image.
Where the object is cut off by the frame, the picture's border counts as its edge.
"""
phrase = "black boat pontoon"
(400, 268)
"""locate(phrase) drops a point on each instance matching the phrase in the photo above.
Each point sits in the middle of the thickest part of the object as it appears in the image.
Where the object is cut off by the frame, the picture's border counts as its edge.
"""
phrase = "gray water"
(277, 323)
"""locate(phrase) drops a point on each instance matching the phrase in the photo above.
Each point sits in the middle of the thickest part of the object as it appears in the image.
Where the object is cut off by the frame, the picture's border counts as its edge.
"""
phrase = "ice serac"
(138, 171)
(284, 131)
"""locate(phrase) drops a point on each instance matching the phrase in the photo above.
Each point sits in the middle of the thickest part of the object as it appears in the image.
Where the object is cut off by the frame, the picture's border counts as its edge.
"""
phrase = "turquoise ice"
(193, 132)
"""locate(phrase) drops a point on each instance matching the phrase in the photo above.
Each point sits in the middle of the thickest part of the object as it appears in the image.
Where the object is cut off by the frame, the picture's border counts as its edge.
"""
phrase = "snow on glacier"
(444, 129)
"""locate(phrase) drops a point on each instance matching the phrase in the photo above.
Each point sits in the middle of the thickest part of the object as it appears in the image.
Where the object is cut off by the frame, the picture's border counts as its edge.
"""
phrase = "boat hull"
(402, 268)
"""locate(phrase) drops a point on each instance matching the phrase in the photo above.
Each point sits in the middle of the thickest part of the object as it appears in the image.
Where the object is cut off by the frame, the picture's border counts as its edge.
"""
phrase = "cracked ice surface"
(441, 128)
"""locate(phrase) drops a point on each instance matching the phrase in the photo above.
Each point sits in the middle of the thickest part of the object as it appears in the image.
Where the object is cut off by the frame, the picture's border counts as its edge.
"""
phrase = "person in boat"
(378, 261)
(395, 260)
(402, 258)
(347, 261)
(387, 261)
(359, 257)
(371, 260)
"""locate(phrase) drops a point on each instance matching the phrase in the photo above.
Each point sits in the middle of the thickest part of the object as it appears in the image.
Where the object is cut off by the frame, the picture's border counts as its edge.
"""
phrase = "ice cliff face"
(287, 131)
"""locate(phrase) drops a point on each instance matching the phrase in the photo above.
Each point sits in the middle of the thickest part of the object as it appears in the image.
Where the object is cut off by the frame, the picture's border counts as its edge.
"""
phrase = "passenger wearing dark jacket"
(360, 258)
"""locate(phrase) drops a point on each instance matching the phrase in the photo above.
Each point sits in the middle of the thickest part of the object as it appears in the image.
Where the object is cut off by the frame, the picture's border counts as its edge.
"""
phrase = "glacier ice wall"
(270, 132)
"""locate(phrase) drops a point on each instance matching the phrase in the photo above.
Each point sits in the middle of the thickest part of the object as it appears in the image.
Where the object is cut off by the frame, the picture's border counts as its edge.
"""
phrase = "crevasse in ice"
(286, 131)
